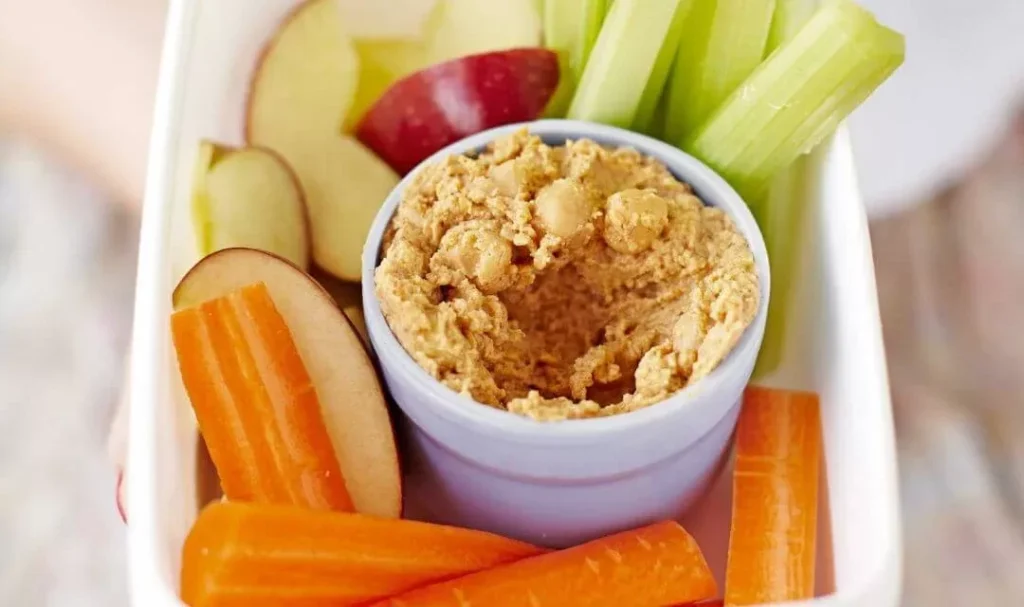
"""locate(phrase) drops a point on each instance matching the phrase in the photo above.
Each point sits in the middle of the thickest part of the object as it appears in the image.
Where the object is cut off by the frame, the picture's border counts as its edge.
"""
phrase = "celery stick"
(645, 121)
(790, 16)
(560, 33)
(622, 61)
(723, 41)
(781, 213)
(571, 28)
(798, 96)
(593, 14)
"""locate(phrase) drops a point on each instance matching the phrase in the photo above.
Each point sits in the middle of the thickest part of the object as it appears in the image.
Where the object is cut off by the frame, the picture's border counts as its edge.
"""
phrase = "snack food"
(417, 117)
(555, 282)
(659, 564)
(256, 403)
(248, 197)
(563, 282)
(279, 556)
(351, 401)
(773, 541)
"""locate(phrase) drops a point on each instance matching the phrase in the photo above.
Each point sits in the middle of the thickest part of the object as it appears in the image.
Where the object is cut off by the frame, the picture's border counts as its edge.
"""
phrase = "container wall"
(834, 344)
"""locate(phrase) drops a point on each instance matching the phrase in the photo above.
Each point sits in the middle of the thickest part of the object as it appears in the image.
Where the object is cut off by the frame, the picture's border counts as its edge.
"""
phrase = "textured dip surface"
(563, 282)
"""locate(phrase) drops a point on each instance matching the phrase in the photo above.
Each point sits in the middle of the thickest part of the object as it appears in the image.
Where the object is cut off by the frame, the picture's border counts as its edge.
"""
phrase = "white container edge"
(843, 360)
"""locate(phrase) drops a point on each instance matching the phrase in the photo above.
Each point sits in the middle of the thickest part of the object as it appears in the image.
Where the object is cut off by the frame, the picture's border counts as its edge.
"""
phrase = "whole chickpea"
(480, 253)
(563, 208)
(634, 219)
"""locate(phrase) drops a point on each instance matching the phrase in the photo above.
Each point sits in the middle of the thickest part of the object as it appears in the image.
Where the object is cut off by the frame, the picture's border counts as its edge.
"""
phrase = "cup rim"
(710, 187)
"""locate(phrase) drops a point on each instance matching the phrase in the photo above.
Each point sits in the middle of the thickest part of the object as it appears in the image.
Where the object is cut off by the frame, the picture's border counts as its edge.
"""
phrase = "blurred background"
(940, 150)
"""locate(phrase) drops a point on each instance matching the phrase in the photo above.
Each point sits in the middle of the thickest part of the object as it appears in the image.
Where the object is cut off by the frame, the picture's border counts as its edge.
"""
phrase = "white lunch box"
(833, 346)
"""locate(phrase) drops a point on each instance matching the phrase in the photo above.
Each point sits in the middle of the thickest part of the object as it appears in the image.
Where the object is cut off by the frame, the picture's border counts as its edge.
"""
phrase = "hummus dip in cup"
(557, 483)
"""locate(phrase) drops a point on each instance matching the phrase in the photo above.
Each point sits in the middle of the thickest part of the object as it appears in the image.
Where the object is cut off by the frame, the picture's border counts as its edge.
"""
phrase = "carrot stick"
(775, 498)
(256, 405)
(655, 565)
(258, 555)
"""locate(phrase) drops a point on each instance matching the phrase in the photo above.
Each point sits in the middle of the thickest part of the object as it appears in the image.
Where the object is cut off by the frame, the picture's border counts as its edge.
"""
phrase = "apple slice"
(248, 197)
(350, 394)
(358, 320)
(453, 29)
(469, 27)
(391, 20)
(305, 80)
(349, 299)
(381, 64)
(302, 90)
(345, 185)
(434, 107)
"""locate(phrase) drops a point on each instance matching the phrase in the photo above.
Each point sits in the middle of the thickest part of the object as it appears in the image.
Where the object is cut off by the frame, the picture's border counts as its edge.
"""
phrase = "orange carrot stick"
(775, 498)
(258, 555)
(256, 405)
(652, 566)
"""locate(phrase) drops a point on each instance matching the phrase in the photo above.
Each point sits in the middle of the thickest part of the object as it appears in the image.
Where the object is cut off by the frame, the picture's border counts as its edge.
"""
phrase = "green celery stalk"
(593, 13)
(571, 28)
(622, 60)
(781, 212)
(561, 30)
(790, 16)
(646, 114)
(798, 96)
(722, 42)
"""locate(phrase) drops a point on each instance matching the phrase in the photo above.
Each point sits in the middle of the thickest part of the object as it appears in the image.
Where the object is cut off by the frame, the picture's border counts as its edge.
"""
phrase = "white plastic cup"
(561, 483)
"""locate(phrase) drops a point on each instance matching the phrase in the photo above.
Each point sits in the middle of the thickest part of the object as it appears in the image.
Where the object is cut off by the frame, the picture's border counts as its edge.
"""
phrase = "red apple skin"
(437, 106)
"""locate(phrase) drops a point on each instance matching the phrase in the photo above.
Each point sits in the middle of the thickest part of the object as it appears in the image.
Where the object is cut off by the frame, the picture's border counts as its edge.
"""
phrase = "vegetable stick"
(775, 498)
(256, 405)
(780, 212)
(655, 565)
(570, 29)
(798, 96)
(790, 16)
(622, 61)
(593, 17)
(258, 555)
(722, 42)
(561, 31)
(647, 120)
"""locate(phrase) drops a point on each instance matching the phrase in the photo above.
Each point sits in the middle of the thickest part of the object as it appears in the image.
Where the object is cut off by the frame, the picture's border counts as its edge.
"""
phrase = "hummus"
(563, 282)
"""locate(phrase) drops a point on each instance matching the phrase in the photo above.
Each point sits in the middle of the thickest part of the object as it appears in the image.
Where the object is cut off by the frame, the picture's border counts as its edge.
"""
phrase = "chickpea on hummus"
(563, 282)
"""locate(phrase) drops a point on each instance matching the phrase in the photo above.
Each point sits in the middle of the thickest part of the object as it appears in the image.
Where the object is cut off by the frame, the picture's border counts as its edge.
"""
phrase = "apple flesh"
(345, 185)
(346, 382)
(454, 28)
(301, 92)
(349, 299)
(381, 64)
(468, 27)
(432, 108)
(391, 20)
(306, 78)
(248, 197)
